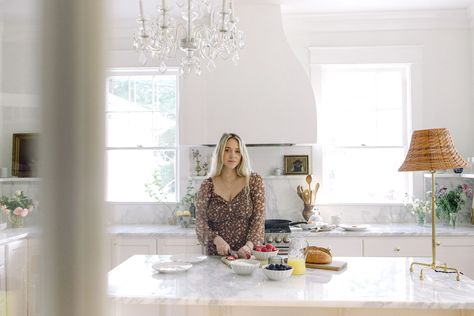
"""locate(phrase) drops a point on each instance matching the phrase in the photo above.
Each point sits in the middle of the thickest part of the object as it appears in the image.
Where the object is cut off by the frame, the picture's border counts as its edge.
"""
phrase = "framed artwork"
(25, 155)
(296, 164)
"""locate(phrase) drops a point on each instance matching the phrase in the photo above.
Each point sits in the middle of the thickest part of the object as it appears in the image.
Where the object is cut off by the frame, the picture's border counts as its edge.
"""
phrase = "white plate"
(353, 228)
(188, 258)
(171, 267)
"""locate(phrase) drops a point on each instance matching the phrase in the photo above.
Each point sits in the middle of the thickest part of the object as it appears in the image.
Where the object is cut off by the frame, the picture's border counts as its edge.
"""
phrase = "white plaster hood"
(267, 98)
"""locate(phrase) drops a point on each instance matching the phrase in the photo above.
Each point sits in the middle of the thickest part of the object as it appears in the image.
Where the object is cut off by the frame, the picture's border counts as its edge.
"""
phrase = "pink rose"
(18, 211)
(5, 210)
(24, 212)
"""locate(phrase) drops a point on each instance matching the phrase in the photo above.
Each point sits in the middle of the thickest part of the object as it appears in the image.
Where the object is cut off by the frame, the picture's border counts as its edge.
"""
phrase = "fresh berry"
(269, 246)
(248, 256)
(264, 250)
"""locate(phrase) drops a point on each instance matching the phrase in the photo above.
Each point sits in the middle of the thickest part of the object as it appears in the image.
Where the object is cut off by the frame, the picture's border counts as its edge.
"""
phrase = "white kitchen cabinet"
(16, 278)
(124, 248)
(340, 247)
(3, 289)
(397, 246)
(457, 253)
(179, 245)
(34, 293)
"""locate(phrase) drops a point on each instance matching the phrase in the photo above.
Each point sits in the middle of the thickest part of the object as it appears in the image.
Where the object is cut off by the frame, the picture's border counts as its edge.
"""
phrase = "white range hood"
(267, 98)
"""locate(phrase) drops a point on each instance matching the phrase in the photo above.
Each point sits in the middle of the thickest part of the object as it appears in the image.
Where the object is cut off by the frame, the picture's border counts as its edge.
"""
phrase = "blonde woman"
(231, 202)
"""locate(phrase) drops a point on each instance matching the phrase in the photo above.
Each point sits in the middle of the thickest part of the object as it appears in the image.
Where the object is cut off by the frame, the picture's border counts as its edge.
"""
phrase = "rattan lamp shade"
(432, 149)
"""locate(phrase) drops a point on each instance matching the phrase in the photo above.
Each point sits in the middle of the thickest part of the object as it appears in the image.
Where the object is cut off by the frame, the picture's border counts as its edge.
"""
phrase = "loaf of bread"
(318, 255)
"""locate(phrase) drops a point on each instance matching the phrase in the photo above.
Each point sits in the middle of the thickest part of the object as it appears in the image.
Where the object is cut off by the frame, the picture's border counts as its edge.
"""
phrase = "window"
(141, 134)
(362, 126)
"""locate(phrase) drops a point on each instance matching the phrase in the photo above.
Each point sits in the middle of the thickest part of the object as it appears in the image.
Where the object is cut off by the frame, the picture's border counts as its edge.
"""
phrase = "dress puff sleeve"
(257, 221)
(204, 233)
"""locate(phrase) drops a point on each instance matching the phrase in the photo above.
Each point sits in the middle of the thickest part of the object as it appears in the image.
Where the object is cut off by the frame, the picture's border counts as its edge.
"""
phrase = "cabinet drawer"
(397, 247)
(340, 247)
(173, 246)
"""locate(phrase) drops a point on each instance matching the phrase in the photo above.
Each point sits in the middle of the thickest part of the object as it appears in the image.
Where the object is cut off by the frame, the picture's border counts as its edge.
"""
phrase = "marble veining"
(367, 282)
(374, 230)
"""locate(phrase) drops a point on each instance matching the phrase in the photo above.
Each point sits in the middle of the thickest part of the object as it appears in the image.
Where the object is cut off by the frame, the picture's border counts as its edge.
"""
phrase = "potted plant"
(16, 208)
(450, 202)
(419, 208)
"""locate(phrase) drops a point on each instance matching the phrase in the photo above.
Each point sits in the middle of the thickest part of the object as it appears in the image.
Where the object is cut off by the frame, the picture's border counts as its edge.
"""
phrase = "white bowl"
(277, 274)
(260, 255)
(244, 266)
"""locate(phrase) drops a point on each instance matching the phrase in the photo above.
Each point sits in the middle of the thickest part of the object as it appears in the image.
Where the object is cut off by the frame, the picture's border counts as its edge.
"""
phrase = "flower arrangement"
(16, 208)
(419, 208)
(450, 202)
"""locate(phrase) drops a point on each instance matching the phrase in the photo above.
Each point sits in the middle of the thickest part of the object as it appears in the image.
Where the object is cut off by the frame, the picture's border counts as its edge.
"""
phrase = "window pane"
(134, 129)
(362, 106)
(363, 175)
(128, 171)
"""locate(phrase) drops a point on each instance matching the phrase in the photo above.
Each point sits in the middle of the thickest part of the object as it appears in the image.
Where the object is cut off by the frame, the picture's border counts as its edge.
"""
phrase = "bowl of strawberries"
(263, 252)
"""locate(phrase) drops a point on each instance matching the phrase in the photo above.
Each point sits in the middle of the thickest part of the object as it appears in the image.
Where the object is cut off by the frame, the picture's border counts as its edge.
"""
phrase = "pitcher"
(297, 255)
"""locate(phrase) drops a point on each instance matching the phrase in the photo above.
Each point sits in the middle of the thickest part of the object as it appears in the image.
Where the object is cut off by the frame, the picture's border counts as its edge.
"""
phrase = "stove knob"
(269, 239)
(278, 240)
(286, 239)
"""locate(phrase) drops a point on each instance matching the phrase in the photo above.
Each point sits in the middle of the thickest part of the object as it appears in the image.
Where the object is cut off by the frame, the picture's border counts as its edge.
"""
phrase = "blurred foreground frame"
(25, 155)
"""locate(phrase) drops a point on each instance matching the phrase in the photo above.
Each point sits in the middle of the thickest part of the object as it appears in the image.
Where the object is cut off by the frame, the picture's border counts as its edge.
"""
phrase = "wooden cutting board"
(334, 266)
(227, 262)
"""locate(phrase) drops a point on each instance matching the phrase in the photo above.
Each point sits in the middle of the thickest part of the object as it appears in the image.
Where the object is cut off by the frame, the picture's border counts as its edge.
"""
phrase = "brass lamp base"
(434, 244)
(444, 267)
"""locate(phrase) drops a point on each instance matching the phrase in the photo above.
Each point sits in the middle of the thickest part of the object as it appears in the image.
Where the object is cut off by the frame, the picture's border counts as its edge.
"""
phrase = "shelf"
(19, 180)
(451, 175)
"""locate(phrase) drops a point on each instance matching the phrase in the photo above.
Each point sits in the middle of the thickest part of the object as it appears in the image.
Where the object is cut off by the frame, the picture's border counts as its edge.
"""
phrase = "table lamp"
(431, 150)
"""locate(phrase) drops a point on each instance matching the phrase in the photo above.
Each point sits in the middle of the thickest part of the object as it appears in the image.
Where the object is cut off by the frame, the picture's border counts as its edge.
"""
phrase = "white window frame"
(382, 55)
(137, 71)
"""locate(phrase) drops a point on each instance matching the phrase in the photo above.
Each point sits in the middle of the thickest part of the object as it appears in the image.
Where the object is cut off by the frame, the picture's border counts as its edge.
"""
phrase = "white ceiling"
(339, 6)
(128, 9)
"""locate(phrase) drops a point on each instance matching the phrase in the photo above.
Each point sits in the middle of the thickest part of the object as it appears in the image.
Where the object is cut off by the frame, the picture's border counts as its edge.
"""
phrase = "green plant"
(155, 189)
(416, 206)
(450, 202)
(190, 195)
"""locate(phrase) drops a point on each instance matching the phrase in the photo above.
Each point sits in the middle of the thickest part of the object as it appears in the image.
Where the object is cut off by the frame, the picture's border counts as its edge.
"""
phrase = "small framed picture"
(25, 155)
(296, 164)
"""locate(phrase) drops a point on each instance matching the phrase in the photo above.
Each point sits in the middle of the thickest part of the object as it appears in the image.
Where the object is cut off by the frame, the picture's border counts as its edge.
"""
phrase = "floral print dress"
(237, 221)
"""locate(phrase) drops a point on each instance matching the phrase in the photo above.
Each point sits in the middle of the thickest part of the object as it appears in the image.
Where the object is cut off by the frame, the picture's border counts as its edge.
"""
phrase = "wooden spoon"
(308, 181)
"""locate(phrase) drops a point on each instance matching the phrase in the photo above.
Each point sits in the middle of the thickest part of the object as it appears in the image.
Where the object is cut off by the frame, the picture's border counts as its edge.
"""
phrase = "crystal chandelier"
(199, 32)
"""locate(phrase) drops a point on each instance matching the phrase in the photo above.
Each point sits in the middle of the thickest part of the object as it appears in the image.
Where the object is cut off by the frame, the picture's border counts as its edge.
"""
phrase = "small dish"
(353, 228)
(188, 258)
(260, 255)
(277, 274)
(244, 266)
(171, 267)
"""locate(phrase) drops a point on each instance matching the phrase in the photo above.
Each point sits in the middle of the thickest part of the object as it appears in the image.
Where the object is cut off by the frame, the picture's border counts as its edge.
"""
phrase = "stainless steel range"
(279, 237)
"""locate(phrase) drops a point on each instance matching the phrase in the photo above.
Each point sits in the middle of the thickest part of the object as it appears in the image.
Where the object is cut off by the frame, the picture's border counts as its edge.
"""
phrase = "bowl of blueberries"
(277, 271)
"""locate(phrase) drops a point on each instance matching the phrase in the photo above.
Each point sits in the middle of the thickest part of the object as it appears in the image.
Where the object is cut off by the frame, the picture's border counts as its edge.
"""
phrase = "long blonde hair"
(217, 162)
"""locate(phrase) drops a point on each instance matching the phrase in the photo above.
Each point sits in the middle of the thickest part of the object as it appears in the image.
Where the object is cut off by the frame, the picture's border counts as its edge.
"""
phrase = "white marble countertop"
(12, 234)
(373, 230)
(366, 283)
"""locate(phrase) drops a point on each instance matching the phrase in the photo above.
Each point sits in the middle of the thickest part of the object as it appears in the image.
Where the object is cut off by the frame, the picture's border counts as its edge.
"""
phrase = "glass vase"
(421, 218)
(16, 220)
(453, 217)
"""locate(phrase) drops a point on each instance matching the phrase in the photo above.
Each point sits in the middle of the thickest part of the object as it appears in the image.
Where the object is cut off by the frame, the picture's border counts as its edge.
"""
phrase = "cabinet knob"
(438, 243)
(397, 249)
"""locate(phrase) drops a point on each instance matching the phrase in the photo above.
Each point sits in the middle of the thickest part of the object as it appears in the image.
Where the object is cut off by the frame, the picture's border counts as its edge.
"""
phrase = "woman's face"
(232, 155)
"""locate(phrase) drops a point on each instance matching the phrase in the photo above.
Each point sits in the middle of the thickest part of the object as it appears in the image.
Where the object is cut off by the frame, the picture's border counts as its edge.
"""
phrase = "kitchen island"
(368, 286)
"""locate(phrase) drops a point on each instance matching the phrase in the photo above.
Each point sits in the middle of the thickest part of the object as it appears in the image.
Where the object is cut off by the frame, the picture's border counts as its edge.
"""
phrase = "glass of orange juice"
(297, 255)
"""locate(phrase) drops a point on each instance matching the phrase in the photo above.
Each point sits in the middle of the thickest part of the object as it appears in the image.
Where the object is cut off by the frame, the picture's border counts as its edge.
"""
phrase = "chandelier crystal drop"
(197, 31)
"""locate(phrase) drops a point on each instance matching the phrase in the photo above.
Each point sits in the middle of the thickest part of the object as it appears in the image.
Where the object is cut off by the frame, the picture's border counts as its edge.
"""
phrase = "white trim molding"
(379, 21)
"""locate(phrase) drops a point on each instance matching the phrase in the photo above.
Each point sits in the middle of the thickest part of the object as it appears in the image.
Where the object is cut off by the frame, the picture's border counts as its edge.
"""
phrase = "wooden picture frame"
(25, 155)
(296, 164)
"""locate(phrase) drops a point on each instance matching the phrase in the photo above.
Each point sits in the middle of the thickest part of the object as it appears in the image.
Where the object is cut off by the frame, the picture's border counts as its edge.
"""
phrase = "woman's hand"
(222, 246)
(245, 252)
